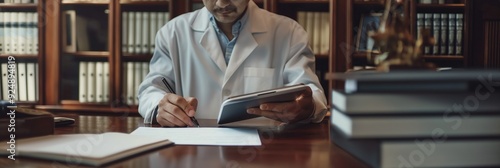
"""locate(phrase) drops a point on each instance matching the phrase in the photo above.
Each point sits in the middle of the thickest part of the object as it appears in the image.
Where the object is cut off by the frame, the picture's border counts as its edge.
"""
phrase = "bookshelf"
(341, 55)
(351, 12)
(21, 41)
(62, 76)
(104, 18)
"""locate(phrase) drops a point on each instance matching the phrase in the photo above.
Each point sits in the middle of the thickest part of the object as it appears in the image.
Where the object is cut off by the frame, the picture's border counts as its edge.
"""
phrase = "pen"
(171, 90)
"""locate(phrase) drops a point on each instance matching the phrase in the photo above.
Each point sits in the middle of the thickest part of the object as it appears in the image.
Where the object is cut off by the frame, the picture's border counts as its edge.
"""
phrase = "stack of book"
(419, 118)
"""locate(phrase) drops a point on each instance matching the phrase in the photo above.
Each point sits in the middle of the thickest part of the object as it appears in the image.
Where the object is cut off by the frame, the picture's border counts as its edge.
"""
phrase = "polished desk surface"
(300, 146)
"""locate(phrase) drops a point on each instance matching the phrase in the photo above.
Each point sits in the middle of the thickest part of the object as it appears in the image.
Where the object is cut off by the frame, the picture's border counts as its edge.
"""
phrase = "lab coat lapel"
(209, 39)
(246, 43)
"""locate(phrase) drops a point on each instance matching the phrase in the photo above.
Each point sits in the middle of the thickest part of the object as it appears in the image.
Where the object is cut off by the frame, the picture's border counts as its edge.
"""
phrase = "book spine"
(420, 24)
(451, 33)
(428, 26)
(444, 34)
(34, 29)
(145, 32)
(436, 31)
(7, 33)
(124, 32)
(460, 24)
(130, 83)
(91, 82)
(31, 81)
(82, 84)
(106, 81)
(99, 86)
(2, 23)
(5, 79)
(153, 28)
(131, 35)
(138, 33)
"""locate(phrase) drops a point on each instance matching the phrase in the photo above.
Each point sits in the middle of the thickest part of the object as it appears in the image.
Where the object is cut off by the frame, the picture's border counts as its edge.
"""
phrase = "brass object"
(398, 48)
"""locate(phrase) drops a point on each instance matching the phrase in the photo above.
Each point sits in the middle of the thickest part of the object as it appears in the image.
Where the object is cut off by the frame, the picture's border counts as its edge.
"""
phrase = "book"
(85, 149)
(310, 28)
(15, 39)
(34, 32)
(137, 80)
(420, 24)
(81, 33)
(436, 30)
(69, 31)
(153, 28)
(28, 123)
(131, 29)
(145, 32)
(5, 79)
(22, 86)
(22, 32)
(99, 82)
(317, 33)
(124, 31)
(420, 75)
(444, 34)
(455, 123)
(325, 33)
(435, 151)
(82, 82)
(451, 33)
(138, 33)
(31, 81)
(106, 81)
(129, 76)
(428, 26)
(8, 35)
(91, 82)
(413, 102)
(460, 28)
(2, 23)
(353, 86)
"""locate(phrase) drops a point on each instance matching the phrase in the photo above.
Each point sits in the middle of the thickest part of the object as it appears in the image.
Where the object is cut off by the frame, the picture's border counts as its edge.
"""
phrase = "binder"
(82, 84)
(31, 80)
(91, 82)
(22, 85)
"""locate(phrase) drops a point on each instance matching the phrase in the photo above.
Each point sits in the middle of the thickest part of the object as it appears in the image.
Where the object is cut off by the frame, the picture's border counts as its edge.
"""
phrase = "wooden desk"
(294, 146)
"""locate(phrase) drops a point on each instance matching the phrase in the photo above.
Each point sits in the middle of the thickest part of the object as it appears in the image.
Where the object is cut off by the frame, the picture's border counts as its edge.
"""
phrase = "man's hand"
(174, 110)
(287, 112)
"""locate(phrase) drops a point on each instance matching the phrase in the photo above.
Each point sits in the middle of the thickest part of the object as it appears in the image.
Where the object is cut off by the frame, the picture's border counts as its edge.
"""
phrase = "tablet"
(235, 108)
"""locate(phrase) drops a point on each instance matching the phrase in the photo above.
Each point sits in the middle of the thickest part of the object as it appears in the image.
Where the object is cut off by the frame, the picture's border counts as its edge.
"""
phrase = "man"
(227, 48)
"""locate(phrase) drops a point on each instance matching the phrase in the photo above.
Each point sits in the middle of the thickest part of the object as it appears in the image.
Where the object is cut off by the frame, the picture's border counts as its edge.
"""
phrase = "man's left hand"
(288, 112)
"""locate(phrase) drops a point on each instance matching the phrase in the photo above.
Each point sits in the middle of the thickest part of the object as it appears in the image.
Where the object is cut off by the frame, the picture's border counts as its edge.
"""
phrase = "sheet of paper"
(204, 136)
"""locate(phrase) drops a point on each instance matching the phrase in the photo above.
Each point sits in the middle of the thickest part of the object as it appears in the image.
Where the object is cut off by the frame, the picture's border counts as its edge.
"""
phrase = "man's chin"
(226, 19)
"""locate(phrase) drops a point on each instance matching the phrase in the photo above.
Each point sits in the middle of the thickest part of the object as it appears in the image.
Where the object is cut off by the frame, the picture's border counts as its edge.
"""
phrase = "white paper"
(204, 136)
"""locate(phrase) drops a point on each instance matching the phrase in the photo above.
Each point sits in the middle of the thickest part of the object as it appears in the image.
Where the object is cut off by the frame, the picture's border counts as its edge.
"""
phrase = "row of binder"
(20, 81)
(139, 30)
(18, 33)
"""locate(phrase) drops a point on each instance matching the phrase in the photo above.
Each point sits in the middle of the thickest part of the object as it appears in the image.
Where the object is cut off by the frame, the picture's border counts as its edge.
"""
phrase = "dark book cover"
(24, 123)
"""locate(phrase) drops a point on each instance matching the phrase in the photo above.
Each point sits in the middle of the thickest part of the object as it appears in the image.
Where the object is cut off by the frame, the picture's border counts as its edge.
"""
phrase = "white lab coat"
(271, 51)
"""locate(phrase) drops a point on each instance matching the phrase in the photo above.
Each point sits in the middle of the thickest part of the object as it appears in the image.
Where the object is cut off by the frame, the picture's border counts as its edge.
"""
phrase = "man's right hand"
(175, 110)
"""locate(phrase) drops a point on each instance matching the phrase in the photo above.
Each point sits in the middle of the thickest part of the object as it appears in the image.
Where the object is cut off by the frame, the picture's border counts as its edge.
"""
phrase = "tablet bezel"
(234, 108)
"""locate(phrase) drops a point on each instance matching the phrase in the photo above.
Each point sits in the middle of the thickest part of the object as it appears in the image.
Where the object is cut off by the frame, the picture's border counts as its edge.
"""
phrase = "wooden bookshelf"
(38, 57)
(479, 51)
(348, 19)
